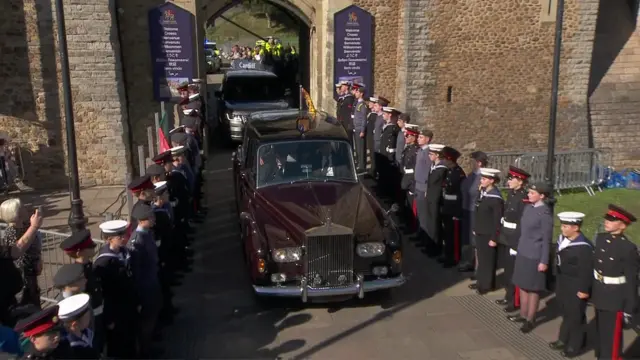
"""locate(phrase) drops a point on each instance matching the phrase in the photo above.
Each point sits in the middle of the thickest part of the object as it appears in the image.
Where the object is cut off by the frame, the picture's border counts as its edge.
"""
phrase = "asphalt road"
(434, 316)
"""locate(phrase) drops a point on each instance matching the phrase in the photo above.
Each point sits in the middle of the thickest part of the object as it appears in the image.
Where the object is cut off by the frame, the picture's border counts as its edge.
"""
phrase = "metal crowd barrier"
(52, 258)
(573, 169)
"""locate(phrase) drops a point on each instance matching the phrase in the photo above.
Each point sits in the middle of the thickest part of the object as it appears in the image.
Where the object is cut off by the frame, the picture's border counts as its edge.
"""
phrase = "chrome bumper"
(304, 291)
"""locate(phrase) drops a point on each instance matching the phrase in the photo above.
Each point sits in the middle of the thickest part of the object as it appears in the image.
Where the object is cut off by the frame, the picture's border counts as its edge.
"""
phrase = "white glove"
(627, 318)
(512, 252)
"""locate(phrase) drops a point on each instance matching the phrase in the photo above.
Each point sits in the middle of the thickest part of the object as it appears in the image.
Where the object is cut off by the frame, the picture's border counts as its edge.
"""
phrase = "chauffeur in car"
(309, 227)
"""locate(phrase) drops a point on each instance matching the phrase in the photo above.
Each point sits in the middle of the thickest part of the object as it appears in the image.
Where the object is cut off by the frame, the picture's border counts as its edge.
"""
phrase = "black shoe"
(482, 291)
(502, 302)
(570, 353)
(466, 268)
(557, 345)
(516, 318)
(511, 308)
(473, 286)
(527, 327)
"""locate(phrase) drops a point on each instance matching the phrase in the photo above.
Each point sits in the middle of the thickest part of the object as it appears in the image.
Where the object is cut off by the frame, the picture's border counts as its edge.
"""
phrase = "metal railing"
(52, 258)
(573, 169)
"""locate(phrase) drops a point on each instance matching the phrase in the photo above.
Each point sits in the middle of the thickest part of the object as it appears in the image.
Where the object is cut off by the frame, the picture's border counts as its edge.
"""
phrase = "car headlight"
(370, 249)
(286, 255)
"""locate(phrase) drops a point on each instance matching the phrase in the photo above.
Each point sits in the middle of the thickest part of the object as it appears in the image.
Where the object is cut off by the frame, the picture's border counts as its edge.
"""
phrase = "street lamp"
(76, 219)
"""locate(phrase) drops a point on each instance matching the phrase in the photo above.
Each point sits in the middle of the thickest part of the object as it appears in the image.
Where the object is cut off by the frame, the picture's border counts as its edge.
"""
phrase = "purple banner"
(353, 47)
(171, 38)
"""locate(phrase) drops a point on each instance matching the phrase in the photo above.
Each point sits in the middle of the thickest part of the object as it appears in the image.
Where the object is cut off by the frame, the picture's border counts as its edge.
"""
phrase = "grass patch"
(594, 208)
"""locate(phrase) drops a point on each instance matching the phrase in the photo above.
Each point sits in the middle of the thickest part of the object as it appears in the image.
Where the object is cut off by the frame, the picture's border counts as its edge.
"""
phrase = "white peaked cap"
(177, 150)
(489, 172)
(160, 185)
(436, 147)
(113, 226)
(73, 306)
(573, 217)
(389, 109)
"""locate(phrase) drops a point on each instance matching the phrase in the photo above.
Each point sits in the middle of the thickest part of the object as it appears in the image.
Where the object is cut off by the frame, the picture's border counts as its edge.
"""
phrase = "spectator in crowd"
(30, 261)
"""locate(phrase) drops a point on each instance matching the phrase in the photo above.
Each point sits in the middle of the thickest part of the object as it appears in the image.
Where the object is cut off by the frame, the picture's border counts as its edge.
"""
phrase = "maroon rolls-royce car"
(309, 227)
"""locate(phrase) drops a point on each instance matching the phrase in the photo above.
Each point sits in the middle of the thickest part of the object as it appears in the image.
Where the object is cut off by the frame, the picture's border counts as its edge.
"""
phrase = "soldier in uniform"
(121, 302)
(451, 206)
(486, 229)
(408, 163)
(387, 167)
(43, 331)
(575, 274)
(70, 280)
(358, 127)
(144, 257)
(421, 178)
(377, 157)
(346, 101)
(181, 164)
(510, 234)
(403, 120)
(75, 314)
(372, 116)
(437, 174)
(81, 248)
(615, 286)
(143, 190)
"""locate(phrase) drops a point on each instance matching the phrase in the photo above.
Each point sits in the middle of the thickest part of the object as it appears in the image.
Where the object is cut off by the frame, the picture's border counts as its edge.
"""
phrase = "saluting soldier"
(359, 127)
(575, 274)
(615, 285)
(81, 247)
(510, 234)
(451, 206)
(121, 301)
(489, 207)
(43, 331)
(408, 164)
(388, 140)
(437, 174)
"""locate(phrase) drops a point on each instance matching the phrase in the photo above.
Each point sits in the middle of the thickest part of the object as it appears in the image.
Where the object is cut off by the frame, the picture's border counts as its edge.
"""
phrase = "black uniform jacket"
(513, 208)
(94, 289)
(388, 141)
(452, 189)
(488, 213)
(615, 275)
(345, 110)
(118, 289)
(133, 225)
(371, 124)
(178, 193)
(574, 266)
(409, 155)
(435, 183)
(163, 229)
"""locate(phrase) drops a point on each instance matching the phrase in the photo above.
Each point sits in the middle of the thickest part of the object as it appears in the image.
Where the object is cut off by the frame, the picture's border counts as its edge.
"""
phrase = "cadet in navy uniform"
(181, 164)
(81, 248)
(43, 331)
(377, 157)
(532, 258)
(451, 206)
(470, 193)
(486, 229)
(421, 177)
(143, 190)
(75, 314)
(510, 234)
(437, 174)
(345, 103)
(615, 286)
(372, 116)
(121, 303)
(403, 120)
(408, 164)
(144, 257)
(359, 128)
(386, 168)
(177, 184)
(575, 274)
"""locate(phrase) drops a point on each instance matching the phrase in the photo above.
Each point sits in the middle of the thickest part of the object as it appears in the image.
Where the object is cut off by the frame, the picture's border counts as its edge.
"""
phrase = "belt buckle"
(599, 277)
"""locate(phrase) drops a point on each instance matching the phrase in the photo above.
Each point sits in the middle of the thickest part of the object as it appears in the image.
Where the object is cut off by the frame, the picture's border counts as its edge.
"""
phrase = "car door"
(239, 159)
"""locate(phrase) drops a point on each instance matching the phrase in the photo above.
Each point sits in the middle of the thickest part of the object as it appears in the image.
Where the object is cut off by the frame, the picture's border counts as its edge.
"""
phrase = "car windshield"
(253, 88)
(305, 160)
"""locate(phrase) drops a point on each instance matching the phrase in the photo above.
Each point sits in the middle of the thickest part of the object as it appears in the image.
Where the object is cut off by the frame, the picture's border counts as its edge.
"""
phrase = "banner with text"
(353, 47)
(171, 39)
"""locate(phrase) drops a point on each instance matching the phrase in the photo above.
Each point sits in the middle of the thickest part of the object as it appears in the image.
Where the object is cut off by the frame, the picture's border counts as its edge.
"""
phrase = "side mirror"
(393, 209)
(217, 94)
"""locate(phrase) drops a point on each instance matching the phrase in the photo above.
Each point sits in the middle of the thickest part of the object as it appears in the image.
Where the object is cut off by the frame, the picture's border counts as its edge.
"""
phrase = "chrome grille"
(329, 260)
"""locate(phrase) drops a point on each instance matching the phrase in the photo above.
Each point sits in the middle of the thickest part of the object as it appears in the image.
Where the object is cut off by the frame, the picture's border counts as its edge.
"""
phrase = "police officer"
(451, 206)
(407, 183)
(43, 331)
(359, 127)
(437, 174)
(421, 177)
(510, 234)
(81, 248)
(121, 301)
(486, 229)
(614, 289)
(575, 274)
(377, 157)
(387, 167)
